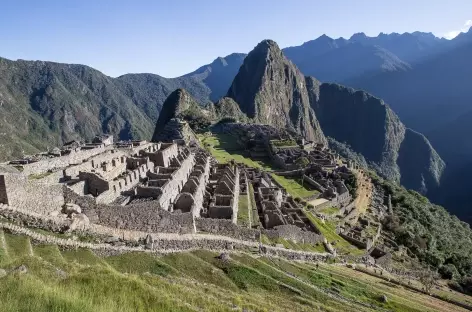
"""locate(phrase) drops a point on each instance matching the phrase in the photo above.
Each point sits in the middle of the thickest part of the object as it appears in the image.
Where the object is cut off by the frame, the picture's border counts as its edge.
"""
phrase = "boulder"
(149, 243)
(3, 273)
(61, 274)
(383, 299)
(70, 209)
(112, 239)
(223, 256)
(22, 269)
(79, 222)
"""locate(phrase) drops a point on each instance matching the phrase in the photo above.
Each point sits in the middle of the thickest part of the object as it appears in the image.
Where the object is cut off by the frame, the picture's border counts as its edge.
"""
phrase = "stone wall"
(33, 220)
(294, 233)
(72, 172)
(125, 183)
(54, 163)
(192, 195)
(3, 191)
(225, 227)
(175, 185)
(146, 217)
(235, 206)
(32, 195)
(87, 203)
(167, 152)
(354, 241)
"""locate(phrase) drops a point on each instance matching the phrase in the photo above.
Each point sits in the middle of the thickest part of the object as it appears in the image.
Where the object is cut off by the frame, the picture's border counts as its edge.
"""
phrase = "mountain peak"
(271, 90)
(267, 46)
(358, 36)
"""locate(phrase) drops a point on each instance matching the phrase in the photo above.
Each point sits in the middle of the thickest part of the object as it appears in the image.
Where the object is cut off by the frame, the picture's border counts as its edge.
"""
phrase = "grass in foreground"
(195, 281)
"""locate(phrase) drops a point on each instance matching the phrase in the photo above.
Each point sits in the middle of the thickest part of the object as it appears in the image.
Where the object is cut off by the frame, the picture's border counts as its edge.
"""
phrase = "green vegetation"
(283, 143)
(81, 281)
(38, 176)
(243, 211)
(225, 148)
(328, 229)
(427, 230)
(329, 211)
(255, 215)
(292, 245)
(294, 186)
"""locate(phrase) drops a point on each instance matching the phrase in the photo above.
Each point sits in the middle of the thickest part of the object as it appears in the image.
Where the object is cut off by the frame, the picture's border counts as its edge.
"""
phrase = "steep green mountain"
(455, 146)
(372, 129)
(44, 104)
(227, 108)
(271, 90)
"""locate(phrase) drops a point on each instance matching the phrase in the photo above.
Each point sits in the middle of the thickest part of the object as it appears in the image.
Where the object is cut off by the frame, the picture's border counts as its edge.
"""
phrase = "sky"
(174, 37)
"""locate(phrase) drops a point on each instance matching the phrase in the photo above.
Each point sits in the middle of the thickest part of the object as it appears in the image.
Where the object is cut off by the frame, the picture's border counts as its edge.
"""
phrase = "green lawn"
(328, 229)
(243, 211)
(255, 214)
(329, 211)
(294, 187)
(225, 148)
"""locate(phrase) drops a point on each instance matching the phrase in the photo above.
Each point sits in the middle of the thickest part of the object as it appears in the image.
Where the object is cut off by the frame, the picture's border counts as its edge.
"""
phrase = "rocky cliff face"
(271, 90)
(227, 108)
(372, 129)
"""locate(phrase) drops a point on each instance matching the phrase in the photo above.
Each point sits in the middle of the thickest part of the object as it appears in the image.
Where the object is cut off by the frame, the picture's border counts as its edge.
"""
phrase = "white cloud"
(454, 33)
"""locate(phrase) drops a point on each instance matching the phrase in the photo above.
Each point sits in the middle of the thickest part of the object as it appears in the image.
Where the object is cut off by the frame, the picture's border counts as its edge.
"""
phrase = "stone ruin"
(163, 187)
(131, 185)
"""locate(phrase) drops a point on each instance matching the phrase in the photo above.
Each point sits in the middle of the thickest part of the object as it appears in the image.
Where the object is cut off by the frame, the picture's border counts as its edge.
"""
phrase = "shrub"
(227, 120)
(449, 271)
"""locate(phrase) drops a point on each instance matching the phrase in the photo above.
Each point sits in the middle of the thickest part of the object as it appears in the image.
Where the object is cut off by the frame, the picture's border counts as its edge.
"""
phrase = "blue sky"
(174, 37)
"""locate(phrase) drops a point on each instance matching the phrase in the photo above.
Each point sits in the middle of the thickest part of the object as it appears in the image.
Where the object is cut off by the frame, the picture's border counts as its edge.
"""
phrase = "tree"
(427, 278)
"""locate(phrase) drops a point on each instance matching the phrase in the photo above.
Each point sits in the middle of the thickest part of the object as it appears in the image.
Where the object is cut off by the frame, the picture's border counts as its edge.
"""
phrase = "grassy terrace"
(243, 211)
(294, 187)
(224, 148)
(38, 176)
(328, 229)
(329, 211)
(78, 280)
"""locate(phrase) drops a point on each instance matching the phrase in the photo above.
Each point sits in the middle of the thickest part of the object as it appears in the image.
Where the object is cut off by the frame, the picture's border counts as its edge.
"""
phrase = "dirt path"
(364, 196)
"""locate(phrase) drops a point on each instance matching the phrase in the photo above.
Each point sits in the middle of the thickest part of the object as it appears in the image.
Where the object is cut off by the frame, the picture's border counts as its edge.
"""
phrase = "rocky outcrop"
(271, 90)
(227, 108)
(179, 109)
